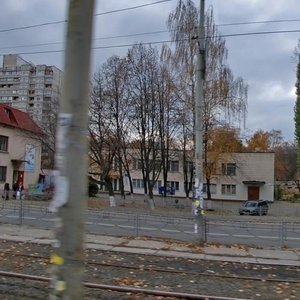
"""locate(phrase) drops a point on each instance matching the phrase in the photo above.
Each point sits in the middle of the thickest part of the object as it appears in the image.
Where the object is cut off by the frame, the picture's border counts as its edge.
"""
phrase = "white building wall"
(256, 167)
(17, 141)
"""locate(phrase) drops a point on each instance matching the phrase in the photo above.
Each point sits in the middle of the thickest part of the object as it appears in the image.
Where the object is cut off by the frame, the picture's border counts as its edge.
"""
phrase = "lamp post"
(199, 99)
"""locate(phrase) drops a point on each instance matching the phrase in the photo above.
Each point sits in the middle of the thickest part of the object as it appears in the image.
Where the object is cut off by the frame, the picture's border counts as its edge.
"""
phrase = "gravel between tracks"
(122, 269)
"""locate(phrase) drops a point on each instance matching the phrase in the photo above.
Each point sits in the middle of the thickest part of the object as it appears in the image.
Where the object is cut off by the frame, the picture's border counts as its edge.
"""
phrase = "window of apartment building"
(173, 166)
(212, 186)
(228, 189)
(189, 167)
(156, 164)
(3, 173)
(137, 164)
(173, 184)
(229, 169)
(137, 183)
(157, 185)
(3, 143)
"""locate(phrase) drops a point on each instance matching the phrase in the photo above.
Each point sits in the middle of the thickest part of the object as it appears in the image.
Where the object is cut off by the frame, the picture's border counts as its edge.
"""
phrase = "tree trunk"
(112, 200)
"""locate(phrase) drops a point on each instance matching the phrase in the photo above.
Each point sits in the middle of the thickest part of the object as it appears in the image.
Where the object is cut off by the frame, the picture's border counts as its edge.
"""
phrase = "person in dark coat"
(15, 188)
(6, 191)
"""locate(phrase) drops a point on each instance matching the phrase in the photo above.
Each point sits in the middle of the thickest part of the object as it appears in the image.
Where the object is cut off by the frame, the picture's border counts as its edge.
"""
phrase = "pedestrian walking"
(15, 189)
(6, 189)
(19, 191)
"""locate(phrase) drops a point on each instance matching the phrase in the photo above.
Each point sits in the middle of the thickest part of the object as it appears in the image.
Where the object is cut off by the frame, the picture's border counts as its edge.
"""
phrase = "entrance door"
(253, 192)
(18, 176)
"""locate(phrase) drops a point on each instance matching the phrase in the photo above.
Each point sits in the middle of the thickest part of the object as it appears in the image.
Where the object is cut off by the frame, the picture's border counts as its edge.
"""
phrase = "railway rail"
(154, 276)
(157, 269)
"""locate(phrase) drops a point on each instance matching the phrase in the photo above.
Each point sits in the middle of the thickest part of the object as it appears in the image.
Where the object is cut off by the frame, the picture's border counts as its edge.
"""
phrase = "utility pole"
(200, 77)
(71, 156)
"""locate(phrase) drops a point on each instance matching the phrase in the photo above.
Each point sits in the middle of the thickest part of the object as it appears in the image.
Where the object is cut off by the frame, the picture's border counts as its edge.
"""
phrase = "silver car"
(253, 207)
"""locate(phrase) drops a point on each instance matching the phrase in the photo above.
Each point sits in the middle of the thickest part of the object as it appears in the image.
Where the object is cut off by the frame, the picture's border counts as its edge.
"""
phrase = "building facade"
(28, 87)
(237, 177)
(20, 149)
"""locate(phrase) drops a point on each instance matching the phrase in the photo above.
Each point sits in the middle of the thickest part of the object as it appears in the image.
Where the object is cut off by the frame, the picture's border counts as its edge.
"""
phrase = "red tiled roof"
(16, 118)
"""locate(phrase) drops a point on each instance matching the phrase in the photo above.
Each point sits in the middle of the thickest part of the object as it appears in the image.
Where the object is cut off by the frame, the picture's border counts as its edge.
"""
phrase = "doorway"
(18, 176)
(253, 192)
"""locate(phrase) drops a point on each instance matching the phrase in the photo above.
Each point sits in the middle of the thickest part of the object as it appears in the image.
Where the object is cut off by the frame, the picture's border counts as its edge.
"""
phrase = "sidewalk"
(160, 247)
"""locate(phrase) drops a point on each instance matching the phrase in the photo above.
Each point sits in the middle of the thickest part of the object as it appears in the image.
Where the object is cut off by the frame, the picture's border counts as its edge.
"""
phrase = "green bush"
(278, 192)
(93, 189)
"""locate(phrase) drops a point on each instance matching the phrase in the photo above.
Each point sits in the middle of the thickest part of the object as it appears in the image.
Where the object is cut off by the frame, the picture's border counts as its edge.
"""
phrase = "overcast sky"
(264, 61)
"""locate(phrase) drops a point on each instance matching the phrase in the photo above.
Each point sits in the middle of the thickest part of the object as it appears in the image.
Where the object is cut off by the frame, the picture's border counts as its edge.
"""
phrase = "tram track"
(157, 269)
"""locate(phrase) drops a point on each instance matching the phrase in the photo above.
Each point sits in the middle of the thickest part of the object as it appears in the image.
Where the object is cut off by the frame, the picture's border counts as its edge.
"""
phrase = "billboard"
(29, 158)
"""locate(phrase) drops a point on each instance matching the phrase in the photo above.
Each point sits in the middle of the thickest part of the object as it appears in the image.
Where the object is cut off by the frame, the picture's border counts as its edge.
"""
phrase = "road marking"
(170, 230)
(147, 228)
(106, 224)
(126, 226)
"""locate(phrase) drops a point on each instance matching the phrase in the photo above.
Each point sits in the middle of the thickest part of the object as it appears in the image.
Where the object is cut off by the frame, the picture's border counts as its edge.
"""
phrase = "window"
(138, 183)
(173, 166)
(137, 164)
(3, 174)
(229, 169)
(228, 189)
(213, 188)
(173, 184)
(3, 143)
(190, 167)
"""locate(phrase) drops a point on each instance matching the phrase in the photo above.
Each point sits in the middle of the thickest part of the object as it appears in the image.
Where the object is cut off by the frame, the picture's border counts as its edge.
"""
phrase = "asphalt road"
(226, 230)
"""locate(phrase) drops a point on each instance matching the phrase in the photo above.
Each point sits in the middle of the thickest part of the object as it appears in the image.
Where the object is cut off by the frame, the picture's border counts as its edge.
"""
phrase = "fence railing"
(227, 230)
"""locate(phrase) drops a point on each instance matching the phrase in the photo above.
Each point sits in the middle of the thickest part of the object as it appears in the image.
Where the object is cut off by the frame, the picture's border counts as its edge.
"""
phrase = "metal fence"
(226, 230)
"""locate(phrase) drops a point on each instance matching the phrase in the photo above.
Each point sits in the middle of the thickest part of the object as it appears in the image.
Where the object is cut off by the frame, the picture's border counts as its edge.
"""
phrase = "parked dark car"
(253, 207)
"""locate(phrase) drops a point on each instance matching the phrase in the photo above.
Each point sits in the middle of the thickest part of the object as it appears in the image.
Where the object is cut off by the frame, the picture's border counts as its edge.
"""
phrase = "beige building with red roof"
(20, 147)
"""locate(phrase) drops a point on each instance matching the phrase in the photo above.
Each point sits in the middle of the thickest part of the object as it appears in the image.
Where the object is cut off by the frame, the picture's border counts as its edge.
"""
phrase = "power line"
(167, 41)
(96, 39)
(152, 32)
(95, 15)
(259, 22)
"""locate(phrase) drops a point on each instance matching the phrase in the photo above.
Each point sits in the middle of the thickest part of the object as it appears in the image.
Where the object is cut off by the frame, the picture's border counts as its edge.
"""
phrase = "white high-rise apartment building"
(31, 88)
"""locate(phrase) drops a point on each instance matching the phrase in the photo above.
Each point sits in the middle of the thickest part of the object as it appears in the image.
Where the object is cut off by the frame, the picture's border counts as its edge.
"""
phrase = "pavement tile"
(43, 241)
(276, 262)
(15, 238)
(225, 251)
(276, 254)
(134, 250)
(179, 248)
(180, 254)
(98, 247)
(105, 240)
(147, 244)
(250, 260)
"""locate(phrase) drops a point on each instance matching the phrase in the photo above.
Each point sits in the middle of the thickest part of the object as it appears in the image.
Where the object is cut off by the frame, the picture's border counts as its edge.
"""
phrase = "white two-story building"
(20, 148)
(238, 176)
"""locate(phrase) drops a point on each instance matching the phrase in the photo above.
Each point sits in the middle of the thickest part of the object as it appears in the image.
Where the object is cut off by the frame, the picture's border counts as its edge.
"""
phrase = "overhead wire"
(154, 32)
(95, 15)
(168, 41)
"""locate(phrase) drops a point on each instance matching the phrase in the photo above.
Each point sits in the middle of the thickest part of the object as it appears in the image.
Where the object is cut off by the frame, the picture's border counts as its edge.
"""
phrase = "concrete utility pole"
(71, 156)
(200, 77)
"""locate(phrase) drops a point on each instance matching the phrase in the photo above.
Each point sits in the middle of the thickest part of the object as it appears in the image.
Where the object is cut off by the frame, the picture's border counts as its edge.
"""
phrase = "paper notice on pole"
(61, 193)
(61, 182)
(64, 123)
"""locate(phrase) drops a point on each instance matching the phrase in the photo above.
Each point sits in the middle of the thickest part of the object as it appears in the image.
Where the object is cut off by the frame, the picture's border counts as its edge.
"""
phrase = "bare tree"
(225, 98)
(143, 68)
